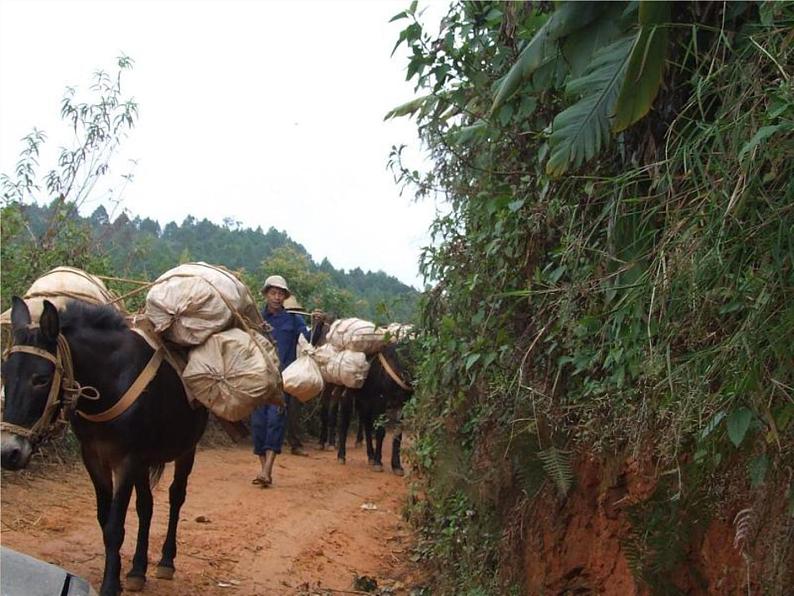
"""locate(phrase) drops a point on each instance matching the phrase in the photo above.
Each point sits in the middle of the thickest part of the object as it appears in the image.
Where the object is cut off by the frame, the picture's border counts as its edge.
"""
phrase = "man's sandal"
(262, 481)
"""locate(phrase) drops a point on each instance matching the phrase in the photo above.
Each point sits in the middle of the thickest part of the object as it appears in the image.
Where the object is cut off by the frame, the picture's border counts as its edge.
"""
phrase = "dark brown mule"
(125, 452)
(387, 387)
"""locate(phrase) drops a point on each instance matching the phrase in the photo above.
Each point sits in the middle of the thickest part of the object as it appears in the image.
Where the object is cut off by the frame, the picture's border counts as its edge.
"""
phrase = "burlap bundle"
(60, 285)
(189, 303)
(233, 372)
(347, 368)
(302, 379)
(357, 335)
(396, 332)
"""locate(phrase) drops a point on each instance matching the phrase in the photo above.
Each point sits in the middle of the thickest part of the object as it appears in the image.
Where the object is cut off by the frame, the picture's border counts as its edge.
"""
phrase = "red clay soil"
(309, 534)
(577, 546)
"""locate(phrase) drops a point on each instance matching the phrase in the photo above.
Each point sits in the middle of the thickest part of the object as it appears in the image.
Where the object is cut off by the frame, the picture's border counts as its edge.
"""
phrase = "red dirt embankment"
(583, 543)
(309, 534)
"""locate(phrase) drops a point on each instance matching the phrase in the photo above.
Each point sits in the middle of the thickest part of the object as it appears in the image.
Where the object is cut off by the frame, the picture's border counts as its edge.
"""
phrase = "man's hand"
(319, 315)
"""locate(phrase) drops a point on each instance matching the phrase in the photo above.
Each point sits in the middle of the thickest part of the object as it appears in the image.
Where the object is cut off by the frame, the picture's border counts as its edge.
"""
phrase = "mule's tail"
(155, 472)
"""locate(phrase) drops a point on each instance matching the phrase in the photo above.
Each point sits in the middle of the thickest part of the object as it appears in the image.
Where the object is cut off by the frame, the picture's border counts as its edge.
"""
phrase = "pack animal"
(121, 452)
(386, 387)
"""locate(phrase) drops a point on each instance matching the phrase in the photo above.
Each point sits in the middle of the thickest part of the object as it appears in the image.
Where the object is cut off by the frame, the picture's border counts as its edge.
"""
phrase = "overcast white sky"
(264, 111)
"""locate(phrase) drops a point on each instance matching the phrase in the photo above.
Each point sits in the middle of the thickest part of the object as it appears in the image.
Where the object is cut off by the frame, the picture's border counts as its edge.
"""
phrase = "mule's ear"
(48, 323)
(20, 314)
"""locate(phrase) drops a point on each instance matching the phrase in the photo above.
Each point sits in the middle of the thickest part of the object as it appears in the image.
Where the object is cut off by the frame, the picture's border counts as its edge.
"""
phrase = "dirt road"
(321, 525)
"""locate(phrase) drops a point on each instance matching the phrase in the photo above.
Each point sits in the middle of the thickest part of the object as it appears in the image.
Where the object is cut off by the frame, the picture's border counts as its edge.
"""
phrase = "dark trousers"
(294, 410)
(267, 428)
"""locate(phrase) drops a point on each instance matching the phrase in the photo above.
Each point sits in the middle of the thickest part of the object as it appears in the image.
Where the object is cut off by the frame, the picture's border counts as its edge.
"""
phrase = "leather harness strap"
(65, 370)
(129, 397)
(390, 371)
(37, 352)
(143, 327)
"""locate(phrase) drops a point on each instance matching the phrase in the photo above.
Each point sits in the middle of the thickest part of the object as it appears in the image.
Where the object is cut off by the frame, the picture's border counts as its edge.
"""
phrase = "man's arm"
(302, 328)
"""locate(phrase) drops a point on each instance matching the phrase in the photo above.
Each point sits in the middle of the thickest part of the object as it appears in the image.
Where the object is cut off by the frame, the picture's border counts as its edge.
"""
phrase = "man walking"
(268, 422)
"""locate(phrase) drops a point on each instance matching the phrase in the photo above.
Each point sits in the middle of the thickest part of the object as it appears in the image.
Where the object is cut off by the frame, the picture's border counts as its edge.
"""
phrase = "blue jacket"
(287, 326)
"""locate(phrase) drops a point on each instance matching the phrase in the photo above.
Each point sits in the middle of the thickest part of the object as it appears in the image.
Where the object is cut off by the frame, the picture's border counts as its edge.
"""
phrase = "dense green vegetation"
(41, 227)
(615, 275)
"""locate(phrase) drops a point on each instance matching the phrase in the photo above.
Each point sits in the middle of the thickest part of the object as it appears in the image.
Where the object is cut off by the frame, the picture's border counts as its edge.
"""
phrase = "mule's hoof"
(398, 471)
(341, 460)
(134, 583)
(164, 572)
(110, 591)
(377, 468)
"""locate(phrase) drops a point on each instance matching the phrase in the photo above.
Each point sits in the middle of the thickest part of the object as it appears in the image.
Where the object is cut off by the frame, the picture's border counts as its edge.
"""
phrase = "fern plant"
(557, 464)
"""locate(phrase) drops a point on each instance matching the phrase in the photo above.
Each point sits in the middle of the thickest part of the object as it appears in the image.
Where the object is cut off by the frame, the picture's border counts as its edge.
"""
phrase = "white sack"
(357, 335)
(347, 368)
(191, 302)
(233, 372)
(302, 379)
(323, 354)
(399, 331)
(59, 286)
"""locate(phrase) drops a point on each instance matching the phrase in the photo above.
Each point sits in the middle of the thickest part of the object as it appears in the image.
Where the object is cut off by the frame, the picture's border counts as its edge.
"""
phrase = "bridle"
(65, 392)
(63, 395)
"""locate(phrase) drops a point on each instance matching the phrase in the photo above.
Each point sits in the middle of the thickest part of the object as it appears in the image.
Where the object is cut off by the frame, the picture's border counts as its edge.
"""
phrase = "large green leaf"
(580, 131)
(581, 45)
(738, 423)
(646, 65)
(542, 48)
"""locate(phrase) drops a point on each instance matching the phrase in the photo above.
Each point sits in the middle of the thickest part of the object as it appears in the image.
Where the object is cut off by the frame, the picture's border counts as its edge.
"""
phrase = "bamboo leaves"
(646, 64)
(614, 71)
(542, 48)
(409, 108)
(580, 131)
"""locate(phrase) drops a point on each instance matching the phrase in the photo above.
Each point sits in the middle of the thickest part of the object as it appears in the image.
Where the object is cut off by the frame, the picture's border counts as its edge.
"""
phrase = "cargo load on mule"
(343, 359)
(189, 303)
(232, 368)
(362, 359)
(202, 319)
(60, 285)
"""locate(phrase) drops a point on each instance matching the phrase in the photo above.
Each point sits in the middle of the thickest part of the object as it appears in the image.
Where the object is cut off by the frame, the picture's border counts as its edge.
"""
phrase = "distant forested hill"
(140, 249)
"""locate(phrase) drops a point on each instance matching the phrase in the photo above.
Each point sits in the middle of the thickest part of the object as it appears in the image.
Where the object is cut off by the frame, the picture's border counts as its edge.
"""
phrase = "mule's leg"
(396, 465)
(102, 479)
(377, 414)
(360, 430)
(366, 420)
(380, 434)
(113, 530)
(183, 465)
(332, 419)
(325, 399)
(136, 578)
(396, 444)
(346, 407)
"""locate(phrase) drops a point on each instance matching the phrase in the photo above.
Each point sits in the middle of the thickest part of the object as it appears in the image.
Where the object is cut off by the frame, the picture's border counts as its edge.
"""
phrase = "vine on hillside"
(611, 275)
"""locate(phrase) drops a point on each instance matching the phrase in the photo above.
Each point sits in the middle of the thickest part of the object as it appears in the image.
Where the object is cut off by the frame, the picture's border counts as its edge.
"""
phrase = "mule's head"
(27, 380)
